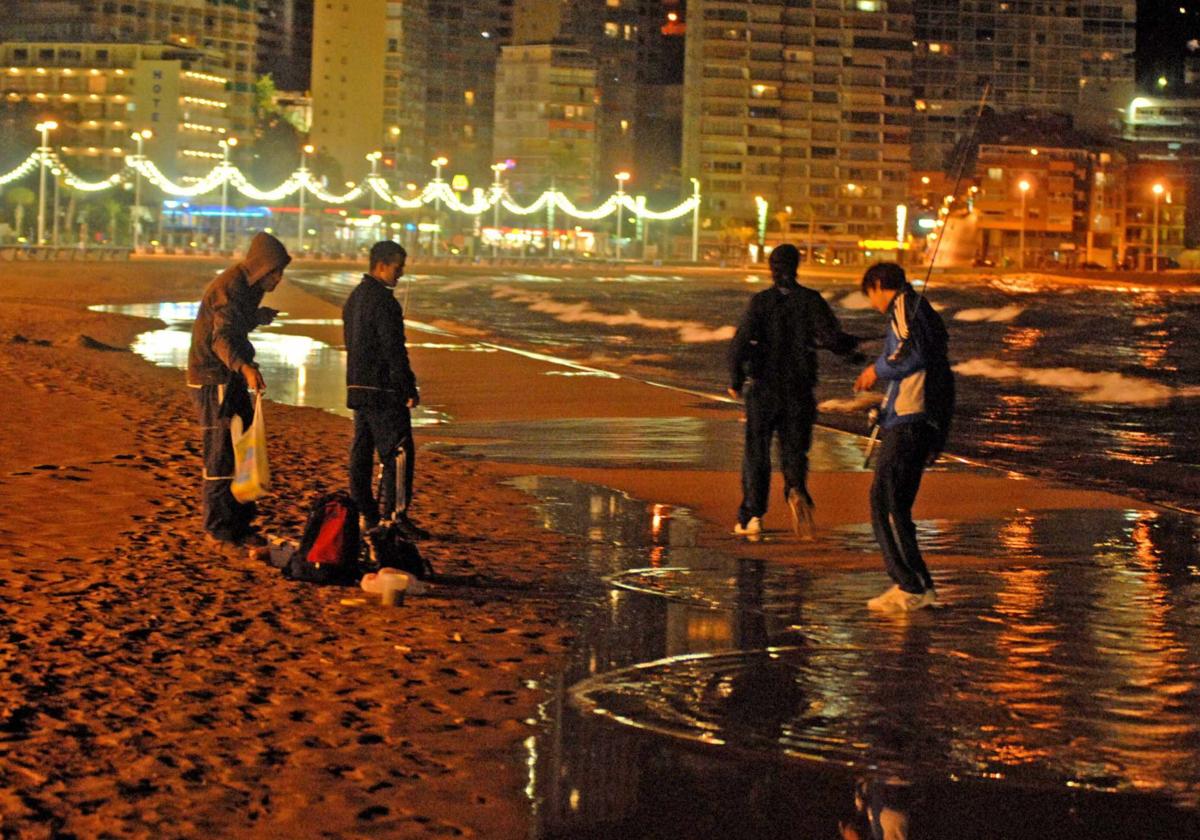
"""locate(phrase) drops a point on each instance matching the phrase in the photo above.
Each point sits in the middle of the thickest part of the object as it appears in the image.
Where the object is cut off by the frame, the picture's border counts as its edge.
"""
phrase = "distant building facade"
(284, 46)
(1054, 57)
(100, 93)
(806, 106)
(545, 122)
(1068, 206)
(230, 29)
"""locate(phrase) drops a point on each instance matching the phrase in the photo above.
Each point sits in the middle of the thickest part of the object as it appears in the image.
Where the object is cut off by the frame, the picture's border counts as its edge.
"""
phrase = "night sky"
(1163, 36)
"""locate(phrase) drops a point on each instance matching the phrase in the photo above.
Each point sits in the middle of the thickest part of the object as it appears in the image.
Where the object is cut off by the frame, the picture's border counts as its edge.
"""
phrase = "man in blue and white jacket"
(914, 423)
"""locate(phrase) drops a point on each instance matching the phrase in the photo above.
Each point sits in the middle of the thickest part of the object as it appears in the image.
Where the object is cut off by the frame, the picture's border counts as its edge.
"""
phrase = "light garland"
(436, 191)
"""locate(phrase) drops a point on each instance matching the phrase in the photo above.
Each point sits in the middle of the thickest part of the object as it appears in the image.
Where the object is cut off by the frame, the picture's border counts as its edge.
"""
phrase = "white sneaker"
(802, 517)
(897, 600)
(750, 529)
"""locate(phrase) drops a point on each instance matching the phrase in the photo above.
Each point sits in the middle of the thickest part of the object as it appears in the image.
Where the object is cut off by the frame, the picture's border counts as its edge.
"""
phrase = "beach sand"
(153, 688)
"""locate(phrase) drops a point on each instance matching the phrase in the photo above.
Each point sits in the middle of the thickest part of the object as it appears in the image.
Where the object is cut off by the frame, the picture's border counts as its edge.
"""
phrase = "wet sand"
(153, 688)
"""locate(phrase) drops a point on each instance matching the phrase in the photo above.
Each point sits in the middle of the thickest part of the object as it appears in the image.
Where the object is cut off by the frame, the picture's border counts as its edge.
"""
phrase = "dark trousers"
(382, 433)
(901, 463)
(770, 413)
(224, 516)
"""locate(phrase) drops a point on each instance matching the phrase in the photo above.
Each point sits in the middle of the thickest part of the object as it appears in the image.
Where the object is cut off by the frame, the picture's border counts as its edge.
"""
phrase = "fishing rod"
(875, 414)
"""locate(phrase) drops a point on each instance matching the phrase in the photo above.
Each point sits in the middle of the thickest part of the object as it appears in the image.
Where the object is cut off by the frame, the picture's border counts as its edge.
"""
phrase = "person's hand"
(734, 392)
(866, 380)
(414, 401)
(265, 315)
(254, 378)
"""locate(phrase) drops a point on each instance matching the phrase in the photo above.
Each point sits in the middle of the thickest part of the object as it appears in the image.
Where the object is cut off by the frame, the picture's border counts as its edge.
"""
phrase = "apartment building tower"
(1057, 56)
(806, 105)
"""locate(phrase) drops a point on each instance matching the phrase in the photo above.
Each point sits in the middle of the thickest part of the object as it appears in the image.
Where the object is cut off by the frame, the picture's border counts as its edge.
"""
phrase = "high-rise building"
(806, 108)
(407, 67)
(1054, 57)
(546, 119)
(284, 50)
(101, 93)
(461, 49)
(349, 47)
(623, 37)
(228, 28)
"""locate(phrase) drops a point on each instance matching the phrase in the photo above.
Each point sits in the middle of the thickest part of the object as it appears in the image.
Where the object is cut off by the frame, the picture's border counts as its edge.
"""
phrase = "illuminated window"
(616, 4)
(612, 29)
(867, 5)
(469, 97)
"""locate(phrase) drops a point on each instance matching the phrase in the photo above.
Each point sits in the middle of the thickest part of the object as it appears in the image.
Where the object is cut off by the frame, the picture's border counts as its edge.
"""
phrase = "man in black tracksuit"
(773, 360)
(380, 387)
(221, 370)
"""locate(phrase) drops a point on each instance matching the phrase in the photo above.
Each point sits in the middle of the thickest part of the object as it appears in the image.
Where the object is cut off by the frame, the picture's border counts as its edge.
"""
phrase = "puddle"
(711, 695)
(299, 370)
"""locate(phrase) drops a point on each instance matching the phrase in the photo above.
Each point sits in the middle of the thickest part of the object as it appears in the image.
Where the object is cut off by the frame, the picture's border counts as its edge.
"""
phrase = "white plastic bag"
(251, 472)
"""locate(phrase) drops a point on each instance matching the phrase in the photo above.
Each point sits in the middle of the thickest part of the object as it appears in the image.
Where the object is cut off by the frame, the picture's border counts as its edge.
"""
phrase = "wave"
(690, 332)
(1003, 313)
(1090, 386)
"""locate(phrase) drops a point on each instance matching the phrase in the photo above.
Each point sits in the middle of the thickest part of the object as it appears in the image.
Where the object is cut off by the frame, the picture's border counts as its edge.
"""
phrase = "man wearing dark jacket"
(381, 388)
(916, 418)
(221, 370)
(773, 361)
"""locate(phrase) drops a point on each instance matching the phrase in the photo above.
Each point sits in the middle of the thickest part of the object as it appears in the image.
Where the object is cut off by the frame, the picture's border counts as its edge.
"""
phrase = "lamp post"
(56, 172)
(762, 205)
(138, 137)
(306, 151)
(226, 145)
(497, 168)
(1023, 186)
(43, 153)
(437, 163)
(621, 177)
(1158, 190)
(695, 220)
(374, 157)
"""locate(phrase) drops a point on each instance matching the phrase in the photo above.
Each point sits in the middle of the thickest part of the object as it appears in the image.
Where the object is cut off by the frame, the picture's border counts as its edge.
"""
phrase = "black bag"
(391, 547)
(329, 551)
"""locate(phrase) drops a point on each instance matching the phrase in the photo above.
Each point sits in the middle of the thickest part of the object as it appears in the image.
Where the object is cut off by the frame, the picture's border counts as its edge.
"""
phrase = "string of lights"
(436, 191)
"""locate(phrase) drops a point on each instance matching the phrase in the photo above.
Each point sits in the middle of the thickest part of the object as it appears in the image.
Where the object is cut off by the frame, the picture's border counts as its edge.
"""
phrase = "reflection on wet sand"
(1035, 686)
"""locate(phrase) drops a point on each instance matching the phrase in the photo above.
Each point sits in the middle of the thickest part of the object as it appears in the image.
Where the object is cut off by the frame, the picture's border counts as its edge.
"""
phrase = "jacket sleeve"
(827, 332)
(739, 349)
(393, 343)
(230, 328)
(908, 357)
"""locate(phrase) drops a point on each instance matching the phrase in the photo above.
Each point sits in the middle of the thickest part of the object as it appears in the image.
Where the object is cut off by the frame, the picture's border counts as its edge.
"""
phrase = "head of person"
(266, 258)
(387, 262)
(881, 282)
(784, 262)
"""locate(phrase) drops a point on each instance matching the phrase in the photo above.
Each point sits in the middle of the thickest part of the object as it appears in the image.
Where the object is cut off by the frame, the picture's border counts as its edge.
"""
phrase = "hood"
(265, 254)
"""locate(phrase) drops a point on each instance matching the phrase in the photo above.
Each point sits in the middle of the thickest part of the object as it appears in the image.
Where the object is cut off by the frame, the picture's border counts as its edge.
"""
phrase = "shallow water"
(1097, 386)
(702, 685)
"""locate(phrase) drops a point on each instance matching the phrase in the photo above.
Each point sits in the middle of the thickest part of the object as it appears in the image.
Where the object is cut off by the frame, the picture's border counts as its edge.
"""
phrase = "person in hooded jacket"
(773, 364)
(221, 373)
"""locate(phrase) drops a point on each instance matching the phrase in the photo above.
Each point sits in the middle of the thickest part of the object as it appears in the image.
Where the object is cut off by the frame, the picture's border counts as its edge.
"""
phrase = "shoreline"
(153, 688)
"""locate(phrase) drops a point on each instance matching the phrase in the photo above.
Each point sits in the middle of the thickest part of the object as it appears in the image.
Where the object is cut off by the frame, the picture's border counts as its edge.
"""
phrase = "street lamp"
(307, 150)
(226, 144)
(1158, 190)
(374, 157)
(437, 163)
(43, 153)
(138, 137)
(621, 177)
(497, 168)
(1023, 186)
(762, 205)
(56, 172)
(695, 219)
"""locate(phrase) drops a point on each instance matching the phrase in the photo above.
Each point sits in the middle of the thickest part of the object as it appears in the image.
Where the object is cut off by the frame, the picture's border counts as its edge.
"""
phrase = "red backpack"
(330, 548)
